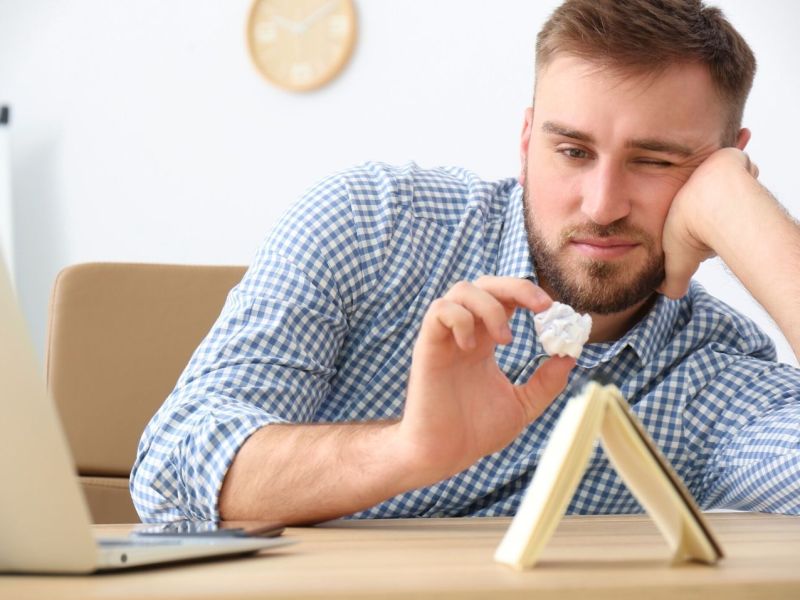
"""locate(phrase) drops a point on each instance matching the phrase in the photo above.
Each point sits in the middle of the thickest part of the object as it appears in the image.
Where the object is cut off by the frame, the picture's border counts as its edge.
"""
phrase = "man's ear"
(524, 142)
(742, 138)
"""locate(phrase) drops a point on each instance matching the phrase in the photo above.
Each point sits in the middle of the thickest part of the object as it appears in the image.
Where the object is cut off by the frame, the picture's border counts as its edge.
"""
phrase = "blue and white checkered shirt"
(322, 326)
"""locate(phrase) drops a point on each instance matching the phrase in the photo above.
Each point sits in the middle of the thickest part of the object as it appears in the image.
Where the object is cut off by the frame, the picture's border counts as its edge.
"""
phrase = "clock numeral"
(266, 32)
(301, 73)
(338, 26)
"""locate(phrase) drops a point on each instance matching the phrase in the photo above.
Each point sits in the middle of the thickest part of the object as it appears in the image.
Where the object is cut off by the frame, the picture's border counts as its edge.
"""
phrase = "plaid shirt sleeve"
(755, 461)
(269, 358)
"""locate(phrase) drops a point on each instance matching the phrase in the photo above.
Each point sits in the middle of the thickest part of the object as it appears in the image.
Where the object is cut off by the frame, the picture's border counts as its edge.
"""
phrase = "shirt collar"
(646, 339)
(514, 257)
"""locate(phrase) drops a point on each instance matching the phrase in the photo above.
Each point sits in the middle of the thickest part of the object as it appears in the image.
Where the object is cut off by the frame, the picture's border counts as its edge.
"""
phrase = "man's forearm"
(764, 253)
(310, 473)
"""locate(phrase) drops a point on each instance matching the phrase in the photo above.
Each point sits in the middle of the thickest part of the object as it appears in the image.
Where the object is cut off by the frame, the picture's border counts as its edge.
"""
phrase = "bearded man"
(379, 357)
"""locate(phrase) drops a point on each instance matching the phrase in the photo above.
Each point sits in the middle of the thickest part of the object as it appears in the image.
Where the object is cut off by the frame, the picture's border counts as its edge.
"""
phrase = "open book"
(601, 411)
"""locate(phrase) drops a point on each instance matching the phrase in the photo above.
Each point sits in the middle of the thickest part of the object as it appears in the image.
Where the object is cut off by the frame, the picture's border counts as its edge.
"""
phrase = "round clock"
(301, 45)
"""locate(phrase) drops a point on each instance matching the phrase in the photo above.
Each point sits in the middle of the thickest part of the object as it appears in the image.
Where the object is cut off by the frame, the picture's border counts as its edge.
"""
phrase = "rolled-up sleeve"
(269, 358)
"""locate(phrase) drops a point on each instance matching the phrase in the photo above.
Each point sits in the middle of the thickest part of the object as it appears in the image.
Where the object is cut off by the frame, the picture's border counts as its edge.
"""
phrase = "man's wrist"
(412, 467)
(738, 208)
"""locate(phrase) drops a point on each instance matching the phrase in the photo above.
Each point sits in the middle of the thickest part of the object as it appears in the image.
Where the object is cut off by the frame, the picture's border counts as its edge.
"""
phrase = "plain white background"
(141, 132)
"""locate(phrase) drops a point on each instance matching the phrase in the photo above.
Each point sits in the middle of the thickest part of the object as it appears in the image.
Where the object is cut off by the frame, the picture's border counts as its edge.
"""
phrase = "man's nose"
(605, 194)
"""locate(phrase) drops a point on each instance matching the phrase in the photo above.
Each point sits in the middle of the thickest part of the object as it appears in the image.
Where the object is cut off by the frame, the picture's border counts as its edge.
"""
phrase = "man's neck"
(609, 328)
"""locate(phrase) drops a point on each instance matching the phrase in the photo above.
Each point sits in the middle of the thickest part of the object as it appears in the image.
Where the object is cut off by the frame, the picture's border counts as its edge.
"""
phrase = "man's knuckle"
(438, 306)
(460, 287)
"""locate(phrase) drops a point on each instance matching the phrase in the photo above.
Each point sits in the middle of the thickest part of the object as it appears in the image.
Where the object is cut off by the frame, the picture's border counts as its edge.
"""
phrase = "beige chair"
(119, 337)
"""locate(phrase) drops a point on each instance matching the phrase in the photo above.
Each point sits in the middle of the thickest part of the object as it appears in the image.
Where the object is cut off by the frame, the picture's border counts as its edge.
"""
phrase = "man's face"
(603, 156)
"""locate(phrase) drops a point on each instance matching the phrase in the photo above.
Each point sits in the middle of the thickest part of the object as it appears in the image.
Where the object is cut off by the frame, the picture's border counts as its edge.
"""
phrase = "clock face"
(301, 44)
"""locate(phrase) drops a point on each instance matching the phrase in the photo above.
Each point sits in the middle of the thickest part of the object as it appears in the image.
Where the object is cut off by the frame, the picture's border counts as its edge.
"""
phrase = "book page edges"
(560, 470)
(654, 483)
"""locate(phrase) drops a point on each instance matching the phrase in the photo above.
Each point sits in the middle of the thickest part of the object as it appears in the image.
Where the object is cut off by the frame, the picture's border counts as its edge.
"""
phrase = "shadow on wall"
(39, 245)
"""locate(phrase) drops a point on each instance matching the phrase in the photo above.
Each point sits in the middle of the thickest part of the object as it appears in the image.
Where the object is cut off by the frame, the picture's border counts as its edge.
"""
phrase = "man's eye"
(575, 153)
(649, 162)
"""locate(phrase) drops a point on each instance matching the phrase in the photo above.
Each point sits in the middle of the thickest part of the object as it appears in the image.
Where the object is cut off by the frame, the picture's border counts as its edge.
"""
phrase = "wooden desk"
(619, 557)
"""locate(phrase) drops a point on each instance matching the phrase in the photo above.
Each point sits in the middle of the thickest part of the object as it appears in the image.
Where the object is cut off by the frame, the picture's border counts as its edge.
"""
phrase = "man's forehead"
(677, 109)
(564, 67)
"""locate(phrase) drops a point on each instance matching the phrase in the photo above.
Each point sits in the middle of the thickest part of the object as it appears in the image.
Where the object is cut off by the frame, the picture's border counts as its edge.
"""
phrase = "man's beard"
(593, 286)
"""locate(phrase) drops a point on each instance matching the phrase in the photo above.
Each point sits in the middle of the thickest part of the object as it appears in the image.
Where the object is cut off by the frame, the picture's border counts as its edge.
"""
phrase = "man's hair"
(647, 37)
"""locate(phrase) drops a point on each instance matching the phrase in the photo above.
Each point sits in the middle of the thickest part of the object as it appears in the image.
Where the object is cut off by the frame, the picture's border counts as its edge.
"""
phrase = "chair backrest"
(119, 337)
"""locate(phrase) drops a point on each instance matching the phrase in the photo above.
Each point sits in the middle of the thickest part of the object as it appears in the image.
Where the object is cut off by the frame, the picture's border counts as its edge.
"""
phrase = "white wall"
(141, 132)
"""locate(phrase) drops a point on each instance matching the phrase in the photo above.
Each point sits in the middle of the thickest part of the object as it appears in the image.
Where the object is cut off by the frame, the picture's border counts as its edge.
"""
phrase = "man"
(379, 358)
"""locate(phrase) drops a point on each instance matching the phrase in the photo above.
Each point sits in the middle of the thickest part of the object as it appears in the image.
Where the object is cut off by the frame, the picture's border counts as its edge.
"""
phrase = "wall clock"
(301, 45)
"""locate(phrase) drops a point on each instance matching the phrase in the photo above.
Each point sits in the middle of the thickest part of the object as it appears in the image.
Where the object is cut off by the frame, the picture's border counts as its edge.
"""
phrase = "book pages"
(602, 412)
(558, 474)
(657, 487)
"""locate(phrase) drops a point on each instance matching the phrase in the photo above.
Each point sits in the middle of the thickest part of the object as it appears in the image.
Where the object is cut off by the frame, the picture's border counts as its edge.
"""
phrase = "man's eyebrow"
(651, 144)
(663, 146)
(563, 130)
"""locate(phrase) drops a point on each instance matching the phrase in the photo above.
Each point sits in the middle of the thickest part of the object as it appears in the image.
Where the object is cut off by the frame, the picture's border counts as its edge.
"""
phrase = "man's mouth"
(605, 248)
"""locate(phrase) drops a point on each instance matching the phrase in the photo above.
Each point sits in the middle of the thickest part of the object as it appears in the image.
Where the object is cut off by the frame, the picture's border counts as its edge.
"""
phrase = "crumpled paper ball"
(561, 330)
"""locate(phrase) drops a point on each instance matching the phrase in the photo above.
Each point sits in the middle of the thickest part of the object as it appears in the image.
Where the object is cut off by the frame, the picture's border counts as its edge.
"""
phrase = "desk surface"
(619, 557)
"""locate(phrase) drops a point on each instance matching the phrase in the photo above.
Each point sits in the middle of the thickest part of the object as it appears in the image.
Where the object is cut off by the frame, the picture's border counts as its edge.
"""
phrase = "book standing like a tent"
(601, 411)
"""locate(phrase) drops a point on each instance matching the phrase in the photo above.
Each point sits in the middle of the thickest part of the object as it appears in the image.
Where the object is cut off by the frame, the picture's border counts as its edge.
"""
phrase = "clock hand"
(292, 26)
(318, 14)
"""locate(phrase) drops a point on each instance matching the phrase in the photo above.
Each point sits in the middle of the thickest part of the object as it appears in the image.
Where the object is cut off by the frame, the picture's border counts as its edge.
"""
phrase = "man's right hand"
(460, 406)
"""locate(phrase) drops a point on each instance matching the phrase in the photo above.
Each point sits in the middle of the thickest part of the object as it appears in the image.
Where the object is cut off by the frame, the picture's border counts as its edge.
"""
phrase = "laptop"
(44, 520)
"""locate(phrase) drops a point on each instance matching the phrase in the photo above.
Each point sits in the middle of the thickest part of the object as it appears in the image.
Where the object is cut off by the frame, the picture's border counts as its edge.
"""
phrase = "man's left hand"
(699, 215)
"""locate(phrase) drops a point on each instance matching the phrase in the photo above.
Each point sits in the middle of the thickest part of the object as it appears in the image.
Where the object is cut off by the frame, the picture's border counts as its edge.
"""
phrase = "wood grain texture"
(619, 557)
